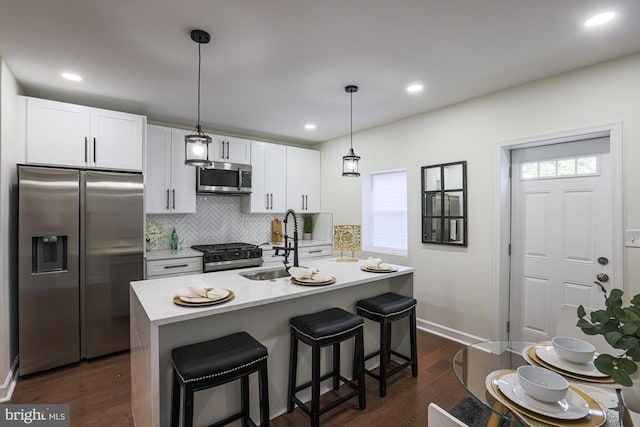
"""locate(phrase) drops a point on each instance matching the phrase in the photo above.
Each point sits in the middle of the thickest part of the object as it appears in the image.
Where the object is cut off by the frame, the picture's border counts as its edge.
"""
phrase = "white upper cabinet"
(303, 179)
(269, 187)
(74, 135)
(170, 184)
(230, 150)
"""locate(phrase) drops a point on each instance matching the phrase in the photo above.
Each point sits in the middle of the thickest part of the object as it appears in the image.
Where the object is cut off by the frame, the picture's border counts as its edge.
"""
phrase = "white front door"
(561, 232)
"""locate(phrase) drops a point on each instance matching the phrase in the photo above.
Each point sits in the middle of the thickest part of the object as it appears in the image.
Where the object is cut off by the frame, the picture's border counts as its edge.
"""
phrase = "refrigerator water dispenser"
(48, 254)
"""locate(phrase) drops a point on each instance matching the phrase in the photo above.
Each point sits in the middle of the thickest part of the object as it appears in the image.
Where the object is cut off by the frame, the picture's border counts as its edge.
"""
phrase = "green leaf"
(627, 365)
(630, 328)
(581, 311)
(621, 377)
(613, 337)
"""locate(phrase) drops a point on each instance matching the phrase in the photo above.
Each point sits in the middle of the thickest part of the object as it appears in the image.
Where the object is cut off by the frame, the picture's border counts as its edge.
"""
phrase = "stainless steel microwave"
(223, 177)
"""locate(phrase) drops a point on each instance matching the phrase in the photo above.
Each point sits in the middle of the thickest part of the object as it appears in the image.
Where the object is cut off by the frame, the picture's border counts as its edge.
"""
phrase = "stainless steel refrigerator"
(80, 243)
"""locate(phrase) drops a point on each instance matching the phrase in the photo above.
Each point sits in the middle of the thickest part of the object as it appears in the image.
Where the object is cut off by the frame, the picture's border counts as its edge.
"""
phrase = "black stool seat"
(388, 304)
(211, 363)
(326, 328)
(385, 309)
(207, 359)
(326, 324)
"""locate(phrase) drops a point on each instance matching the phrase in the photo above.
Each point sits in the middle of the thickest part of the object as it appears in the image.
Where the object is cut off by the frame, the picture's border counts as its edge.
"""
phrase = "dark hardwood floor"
(98, 392)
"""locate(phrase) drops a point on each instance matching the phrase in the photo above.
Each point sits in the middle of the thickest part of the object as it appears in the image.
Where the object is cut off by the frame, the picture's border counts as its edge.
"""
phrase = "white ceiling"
(274, 65)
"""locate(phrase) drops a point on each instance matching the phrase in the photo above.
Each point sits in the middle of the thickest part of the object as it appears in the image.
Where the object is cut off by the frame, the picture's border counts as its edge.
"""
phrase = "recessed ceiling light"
(72, 76)
(600, 19)
(413, 88)
(310, 126)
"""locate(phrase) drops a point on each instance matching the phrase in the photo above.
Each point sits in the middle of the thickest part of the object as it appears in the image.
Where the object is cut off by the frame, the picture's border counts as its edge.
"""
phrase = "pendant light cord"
(199, 66)
(351, 121)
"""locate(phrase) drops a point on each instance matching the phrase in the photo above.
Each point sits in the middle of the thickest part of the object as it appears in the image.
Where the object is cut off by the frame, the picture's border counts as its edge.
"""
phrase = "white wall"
(10, 154)
(455, 287)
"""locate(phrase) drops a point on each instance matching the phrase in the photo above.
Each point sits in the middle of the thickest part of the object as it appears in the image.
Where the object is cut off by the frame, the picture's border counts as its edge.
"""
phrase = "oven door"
(224, 178)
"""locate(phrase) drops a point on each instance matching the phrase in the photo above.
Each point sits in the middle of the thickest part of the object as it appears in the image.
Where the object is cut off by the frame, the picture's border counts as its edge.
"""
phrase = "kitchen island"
(263, 309)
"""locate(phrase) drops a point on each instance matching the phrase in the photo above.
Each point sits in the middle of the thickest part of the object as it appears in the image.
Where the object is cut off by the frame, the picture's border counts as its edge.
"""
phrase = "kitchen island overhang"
(262, 308)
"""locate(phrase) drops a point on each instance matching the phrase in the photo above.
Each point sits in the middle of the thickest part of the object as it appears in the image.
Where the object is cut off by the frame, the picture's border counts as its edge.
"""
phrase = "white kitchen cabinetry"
(303, 179)
(74, 135)
(174, 267)
(269, 165)
(170, 184)
(230, 150)
(304, 252)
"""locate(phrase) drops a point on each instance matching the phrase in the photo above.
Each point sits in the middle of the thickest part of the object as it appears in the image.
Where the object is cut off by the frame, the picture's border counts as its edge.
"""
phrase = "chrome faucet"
(287, 247)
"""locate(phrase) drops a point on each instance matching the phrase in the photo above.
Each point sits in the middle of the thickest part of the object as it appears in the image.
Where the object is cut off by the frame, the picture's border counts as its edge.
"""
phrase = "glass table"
(482, 369)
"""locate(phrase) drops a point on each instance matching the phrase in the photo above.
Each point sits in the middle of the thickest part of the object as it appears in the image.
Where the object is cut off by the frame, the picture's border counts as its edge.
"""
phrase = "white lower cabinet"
(174, 267)
(304, 252)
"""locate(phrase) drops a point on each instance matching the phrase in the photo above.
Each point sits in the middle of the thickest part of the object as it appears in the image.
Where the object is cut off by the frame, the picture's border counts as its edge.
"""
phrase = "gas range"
(227, 256)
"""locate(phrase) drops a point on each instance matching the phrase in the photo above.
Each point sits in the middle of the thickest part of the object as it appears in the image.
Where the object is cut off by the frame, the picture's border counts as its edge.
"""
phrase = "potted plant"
(307, 226)
(620, 327)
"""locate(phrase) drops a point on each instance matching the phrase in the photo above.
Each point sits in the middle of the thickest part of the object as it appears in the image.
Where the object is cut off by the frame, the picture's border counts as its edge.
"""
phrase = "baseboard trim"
(6, 389)
(448, 333)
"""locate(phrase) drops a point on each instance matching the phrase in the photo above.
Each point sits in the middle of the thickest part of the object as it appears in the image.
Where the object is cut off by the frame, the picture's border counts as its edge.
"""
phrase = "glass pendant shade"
(196, 149)
(350, 164)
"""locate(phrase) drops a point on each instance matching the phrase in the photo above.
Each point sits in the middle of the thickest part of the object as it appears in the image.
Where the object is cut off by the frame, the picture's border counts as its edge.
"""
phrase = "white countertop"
(157, 254)
(156, 295)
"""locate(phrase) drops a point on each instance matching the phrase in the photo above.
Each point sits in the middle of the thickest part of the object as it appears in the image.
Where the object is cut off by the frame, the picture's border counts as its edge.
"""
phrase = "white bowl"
(542, 384)
(573, 349)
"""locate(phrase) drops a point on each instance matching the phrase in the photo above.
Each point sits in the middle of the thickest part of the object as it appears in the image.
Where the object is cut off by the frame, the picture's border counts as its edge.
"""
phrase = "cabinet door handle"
(316, 251)
(174, 198)
(271, 200)
(86, 149)
(167, 199)
(266, 205)
(306, 202)
(94, 150)
(302, 202)
(227, 150)
(176, 266)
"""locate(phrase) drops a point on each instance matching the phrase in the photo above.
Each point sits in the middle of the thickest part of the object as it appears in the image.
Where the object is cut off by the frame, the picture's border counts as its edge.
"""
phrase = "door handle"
(94, 150)
(174, 198)
(302, 201)
(266, 205)
(603, 277)
(227, 150)
(86, 150)
(603, 260)
(306, 202)
(167, 199)
(222, 148)
(271, 204)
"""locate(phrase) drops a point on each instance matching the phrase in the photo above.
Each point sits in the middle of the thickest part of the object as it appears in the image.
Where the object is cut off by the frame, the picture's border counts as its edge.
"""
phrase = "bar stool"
(321, 329)
(385, 309)
(212, 363)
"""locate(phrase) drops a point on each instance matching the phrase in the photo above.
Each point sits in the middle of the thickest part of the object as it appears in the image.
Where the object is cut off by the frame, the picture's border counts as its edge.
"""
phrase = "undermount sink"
(274, 273)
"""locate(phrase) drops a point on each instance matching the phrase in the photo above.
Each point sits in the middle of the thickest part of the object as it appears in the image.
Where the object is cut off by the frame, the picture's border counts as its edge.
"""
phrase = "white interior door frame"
(502, 209)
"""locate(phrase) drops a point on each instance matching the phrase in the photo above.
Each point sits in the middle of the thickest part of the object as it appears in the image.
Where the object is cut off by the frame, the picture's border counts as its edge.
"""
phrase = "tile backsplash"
(219, 219)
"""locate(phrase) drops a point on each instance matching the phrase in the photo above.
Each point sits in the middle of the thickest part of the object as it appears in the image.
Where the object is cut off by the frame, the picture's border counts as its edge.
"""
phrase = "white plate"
(314, 281)
(572, 407)
(378, 270)
(548, 355)
(221, 294)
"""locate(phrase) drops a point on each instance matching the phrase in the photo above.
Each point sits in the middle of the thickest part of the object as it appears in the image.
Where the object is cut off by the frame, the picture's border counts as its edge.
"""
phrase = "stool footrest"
(327, 407)
(231, 418)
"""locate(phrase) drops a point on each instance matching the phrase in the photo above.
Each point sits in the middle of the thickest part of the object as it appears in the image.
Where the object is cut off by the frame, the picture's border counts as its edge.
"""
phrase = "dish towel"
(376, 263)
(301, 273)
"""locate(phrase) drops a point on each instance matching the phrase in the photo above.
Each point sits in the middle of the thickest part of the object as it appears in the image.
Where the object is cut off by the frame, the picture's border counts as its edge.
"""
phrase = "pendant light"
(350, 161)
(196, 145)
